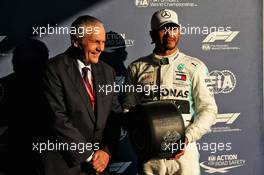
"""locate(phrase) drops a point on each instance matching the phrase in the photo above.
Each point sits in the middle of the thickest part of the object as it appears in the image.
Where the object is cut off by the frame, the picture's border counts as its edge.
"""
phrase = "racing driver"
(172, 75)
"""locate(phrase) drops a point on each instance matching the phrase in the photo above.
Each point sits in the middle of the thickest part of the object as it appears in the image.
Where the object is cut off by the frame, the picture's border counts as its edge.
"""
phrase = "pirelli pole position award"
(156, 129)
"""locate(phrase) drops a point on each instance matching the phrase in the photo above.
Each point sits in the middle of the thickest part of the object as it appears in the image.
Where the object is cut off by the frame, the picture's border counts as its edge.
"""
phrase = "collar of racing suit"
(163, 60)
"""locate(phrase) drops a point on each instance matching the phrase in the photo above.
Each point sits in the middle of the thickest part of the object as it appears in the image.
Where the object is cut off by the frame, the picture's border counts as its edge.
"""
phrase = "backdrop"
(225, 34)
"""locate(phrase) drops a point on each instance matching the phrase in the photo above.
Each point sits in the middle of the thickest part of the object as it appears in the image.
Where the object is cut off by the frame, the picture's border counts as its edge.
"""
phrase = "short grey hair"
(83, 21)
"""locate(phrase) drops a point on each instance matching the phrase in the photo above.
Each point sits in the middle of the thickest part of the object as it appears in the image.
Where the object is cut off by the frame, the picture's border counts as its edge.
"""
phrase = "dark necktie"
(88, 84)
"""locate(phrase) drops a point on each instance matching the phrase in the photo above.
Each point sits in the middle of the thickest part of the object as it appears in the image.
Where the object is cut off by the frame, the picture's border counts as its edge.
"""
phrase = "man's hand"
(181, 152)
(100, 160)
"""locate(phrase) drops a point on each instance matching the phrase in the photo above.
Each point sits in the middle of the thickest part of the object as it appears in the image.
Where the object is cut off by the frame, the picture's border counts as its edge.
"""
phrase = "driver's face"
(168, 37)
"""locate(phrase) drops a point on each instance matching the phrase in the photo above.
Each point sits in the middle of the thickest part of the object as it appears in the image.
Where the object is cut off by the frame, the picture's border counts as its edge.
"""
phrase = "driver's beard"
(165, 47)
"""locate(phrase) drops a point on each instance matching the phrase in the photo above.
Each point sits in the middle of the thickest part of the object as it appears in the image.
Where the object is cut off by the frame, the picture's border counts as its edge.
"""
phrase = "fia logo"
(227, 36)
(142, 3)
(206, 47)
(221, 82)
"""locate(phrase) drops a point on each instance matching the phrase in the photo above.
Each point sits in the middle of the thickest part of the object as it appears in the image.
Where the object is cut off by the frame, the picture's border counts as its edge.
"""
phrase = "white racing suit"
(181, 78)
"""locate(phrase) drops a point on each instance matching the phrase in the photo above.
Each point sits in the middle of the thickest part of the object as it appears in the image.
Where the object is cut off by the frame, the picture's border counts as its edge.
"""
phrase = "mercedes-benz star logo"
(165, 14)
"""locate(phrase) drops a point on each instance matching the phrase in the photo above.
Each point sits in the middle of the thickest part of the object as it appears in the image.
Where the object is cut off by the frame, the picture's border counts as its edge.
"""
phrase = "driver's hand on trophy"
(182, 150)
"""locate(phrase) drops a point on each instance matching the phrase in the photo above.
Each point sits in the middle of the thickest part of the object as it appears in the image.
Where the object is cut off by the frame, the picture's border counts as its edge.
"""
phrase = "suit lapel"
(77, 81)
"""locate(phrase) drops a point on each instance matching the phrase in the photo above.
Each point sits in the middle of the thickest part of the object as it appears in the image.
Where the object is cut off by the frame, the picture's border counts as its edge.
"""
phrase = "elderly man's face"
(94, 43)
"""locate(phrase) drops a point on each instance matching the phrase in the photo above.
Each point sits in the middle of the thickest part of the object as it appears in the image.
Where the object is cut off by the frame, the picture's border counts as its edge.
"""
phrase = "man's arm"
(204, 104)
(61, 124)
(205, 109)
(111, 133)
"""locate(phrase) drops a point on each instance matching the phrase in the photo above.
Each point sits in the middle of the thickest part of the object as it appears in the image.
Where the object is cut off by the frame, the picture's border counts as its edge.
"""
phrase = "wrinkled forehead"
(95, 30)
(93, 27)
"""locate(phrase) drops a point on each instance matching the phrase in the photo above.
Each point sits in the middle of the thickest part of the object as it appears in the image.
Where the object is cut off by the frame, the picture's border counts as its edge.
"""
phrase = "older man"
(71, 84)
